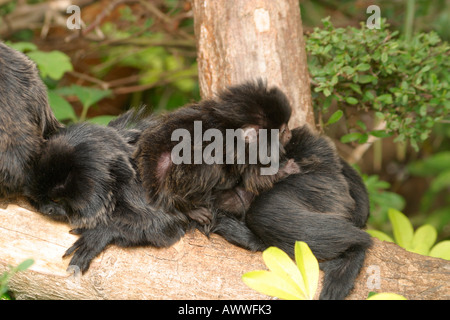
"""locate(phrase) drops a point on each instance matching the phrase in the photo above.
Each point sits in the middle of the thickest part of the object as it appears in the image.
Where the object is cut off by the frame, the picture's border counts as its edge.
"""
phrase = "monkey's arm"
(256, 183)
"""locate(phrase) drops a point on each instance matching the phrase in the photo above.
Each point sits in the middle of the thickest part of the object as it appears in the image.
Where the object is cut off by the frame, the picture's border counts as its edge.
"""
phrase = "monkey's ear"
(250, 133)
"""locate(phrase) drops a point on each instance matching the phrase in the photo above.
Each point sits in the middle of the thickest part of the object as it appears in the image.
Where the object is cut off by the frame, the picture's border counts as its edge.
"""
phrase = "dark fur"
(86, 177)
(325, 205)
(25, 119)
(190, 188)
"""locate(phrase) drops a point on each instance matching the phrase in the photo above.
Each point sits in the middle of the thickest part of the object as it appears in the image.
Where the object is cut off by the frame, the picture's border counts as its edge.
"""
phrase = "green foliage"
(381, 200)
(50, 64)
(286, 279)
(87, 96)
(421, 241)
(437, 168)
(404, 83)
(4, 278)
(293, 281)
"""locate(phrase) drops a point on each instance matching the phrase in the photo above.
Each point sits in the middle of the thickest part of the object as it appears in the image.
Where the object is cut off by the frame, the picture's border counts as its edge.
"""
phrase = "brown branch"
(194, 268)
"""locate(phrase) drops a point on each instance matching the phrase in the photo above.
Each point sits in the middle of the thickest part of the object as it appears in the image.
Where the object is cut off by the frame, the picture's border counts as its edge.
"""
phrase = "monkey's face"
(72, 183)
(285, 134)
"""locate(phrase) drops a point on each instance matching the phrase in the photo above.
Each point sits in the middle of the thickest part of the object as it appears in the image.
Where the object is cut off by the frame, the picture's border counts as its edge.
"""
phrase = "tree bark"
(194, 268)
(244, 40)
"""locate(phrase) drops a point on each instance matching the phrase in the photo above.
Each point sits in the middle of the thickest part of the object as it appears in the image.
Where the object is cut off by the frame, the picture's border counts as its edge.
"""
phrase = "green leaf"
(402, 228)
(351, 137)
(434, 165)
(363, 67)
(102, 120)
(366, 78)
(385, 98)
(61, 108)
(87, 96)
(386, 296)
(282, 265)
(441, 182)
(335, 117)
(423, 239)
(351, 100)
(380, 133)
(24, 265)
(23, 46)
(51, 64)
(308, 266)
(380, 235)
(441, 250)
(271, 284)
(355, 87)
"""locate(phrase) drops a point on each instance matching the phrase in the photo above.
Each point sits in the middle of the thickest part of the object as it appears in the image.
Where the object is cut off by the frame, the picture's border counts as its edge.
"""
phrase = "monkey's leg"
(90, 244)
(237, 233)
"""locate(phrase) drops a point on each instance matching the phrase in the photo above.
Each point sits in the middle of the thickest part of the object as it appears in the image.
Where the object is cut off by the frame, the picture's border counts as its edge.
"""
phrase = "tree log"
(194, 268)
(242, 40)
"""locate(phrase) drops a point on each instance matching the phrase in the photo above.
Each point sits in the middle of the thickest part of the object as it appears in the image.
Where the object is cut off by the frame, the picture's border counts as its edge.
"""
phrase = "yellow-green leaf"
(380, 235)
(281, 264)
(423, 239)
(271, 284)
(402, 228)
(308, 266)
(386, 296)
(441, 250)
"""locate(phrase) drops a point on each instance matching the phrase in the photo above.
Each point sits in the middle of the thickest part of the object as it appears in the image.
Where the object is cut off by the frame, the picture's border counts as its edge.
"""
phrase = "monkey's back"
(25, 118)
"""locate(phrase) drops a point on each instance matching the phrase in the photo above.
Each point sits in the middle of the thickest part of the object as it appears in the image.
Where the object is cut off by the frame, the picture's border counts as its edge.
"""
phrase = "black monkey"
(191, 187)
(85, 176)
(325, 205)
(25, 119)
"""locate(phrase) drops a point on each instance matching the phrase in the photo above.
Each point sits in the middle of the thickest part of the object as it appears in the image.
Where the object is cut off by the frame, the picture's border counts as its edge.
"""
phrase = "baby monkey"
(224, 178)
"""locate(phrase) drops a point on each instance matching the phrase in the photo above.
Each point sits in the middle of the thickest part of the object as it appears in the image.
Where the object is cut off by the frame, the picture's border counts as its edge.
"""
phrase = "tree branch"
(194, 268)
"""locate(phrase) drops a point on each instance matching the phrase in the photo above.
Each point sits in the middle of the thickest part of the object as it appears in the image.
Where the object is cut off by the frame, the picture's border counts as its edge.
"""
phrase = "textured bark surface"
(242, 40)
(194, 268)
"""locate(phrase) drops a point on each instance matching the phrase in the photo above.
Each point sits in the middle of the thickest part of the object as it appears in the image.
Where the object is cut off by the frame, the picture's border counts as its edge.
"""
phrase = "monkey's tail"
(341, 272)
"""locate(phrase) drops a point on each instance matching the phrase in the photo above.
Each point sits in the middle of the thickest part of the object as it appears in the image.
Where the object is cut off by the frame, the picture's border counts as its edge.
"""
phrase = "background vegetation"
(388, 87)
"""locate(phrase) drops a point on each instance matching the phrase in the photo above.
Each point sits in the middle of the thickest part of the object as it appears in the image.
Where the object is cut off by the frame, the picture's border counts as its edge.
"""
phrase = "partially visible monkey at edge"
(26, 119)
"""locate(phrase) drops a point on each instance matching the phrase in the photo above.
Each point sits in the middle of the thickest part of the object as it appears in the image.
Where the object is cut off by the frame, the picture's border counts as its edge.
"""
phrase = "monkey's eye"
(56, 200)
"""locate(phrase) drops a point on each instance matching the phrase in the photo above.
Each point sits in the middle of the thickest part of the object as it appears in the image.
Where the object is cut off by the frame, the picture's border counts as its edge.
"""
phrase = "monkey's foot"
(201, 215)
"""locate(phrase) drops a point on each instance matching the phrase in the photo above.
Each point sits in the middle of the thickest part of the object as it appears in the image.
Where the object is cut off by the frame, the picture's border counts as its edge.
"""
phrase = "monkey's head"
(79, 176)
(253, 105)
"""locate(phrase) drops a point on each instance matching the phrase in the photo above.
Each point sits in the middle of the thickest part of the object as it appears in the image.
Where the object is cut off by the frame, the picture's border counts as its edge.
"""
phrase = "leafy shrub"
(403, 83)
(293, 281)
(52, 67)
(422, 241)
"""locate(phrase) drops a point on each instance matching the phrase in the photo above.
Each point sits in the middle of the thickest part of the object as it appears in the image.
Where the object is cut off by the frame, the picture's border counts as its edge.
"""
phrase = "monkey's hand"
(201, 215)
(290, 167)
(90, 244)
